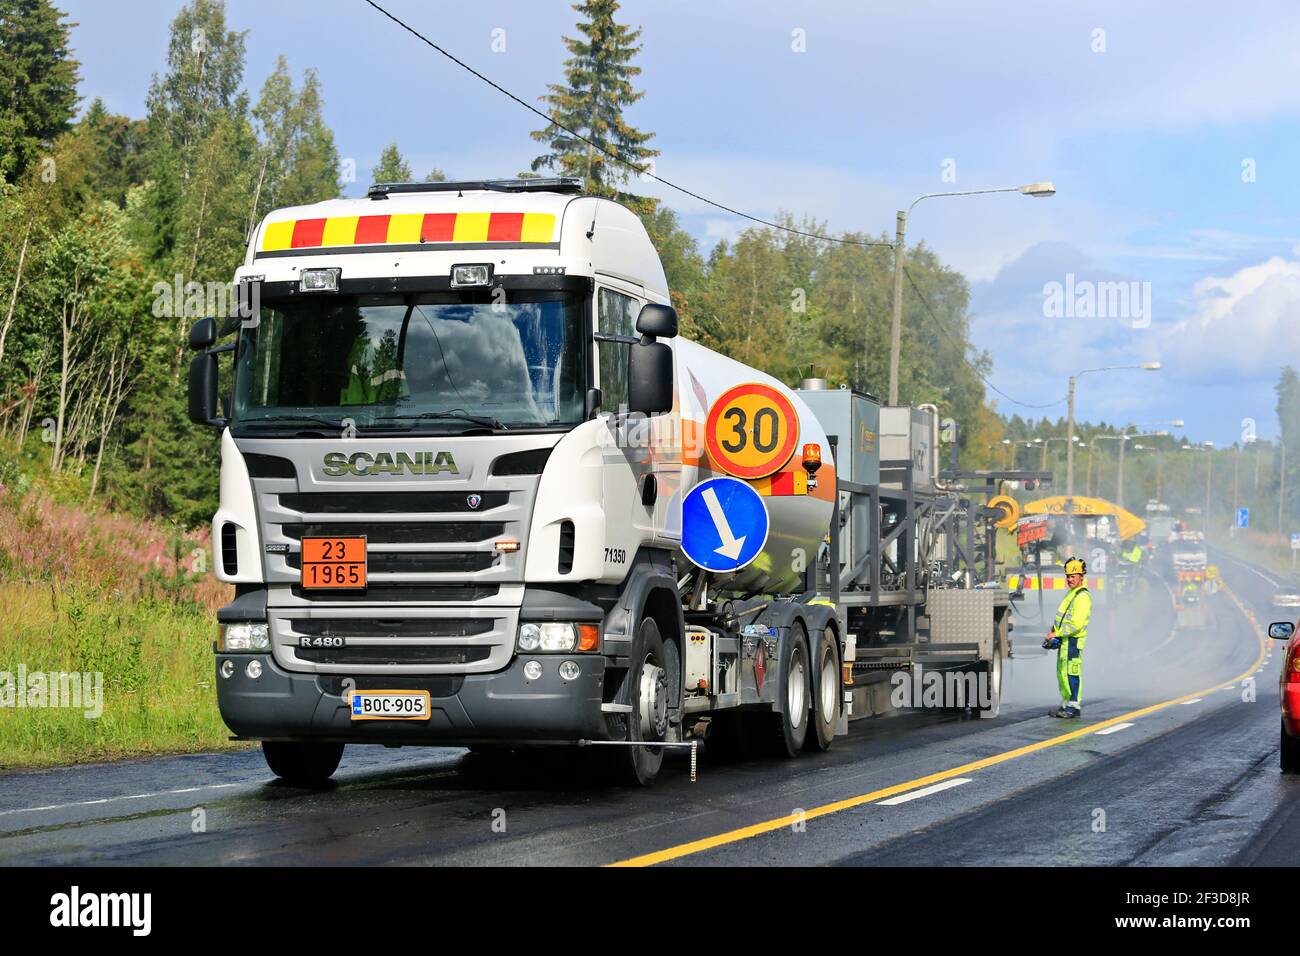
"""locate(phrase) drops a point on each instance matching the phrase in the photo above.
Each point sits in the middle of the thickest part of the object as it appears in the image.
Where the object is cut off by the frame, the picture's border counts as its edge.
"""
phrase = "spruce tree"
(38, 81)
(597, 88)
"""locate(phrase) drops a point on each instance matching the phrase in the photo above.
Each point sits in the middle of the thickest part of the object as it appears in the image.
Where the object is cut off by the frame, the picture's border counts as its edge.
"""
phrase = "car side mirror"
(1281, 630)
(657, 321)
(203, 390)
(650, 377)
(203, 333)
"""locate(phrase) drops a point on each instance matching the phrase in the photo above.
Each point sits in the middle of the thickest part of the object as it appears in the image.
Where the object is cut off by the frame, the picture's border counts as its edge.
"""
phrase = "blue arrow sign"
(724, 524)
(1295, 540)
(1243, 517)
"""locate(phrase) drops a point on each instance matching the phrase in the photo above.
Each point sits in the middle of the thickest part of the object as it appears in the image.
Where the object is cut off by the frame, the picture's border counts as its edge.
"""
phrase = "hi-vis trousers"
(1069, 673)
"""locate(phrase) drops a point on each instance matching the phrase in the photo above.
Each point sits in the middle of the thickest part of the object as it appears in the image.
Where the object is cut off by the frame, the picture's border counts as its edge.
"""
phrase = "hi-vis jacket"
(1073, 615)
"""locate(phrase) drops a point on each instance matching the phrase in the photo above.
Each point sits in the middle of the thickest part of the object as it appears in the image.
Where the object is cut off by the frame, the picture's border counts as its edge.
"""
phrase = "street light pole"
(1041, 190)
(1069, 454)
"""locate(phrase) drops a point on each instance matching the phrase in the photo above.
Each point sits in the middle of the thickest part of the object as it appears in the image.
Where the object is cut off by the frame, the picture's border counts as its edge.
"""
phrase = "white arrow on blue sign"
(724, 524)
(1243, 517)
(1295, 540)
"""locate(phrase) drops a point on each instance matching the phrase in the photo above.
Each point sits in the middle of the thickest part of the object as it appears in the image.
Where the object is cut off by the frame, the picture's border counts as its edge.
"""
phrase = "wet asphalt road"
(1194, 782)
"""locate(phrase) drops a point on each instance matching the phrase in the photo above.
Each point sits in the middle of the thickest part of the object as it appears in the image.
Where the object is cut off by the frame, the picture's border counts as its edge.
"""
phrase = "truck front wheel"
(302, 764)
(648, 688)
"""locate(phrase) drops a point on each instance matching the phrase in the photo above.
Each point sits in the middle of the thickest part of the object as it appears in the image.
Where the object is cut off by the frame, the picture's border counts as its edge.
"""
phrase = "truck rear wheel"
(789, 729)
(825, 710)
(302, 764)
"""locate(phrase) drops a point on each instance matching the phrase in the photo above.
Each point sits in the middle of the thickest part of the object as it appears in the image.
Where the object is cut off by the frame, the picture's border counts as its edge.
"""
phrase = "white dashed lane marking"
(132, 796)
(924, 792)
(1111, 730)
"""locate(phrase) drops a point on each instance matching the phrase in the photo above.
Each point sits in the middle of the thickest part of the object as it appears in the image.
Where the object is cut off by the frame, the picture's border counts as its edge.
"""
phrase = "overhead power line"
(639, 169)
(961, 342)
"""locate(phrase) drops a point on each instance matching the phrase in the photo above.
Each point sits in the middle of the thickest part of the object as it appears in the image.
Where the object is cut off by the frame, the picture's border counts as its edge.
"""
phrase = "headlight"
(548, 637)
(558, 638)
(245, 637)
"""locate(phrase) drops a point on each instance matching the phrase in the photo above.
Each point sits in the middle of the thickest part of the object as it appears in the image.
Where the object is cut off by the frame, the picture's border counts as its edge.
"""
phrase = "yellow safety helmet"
(1075, 566)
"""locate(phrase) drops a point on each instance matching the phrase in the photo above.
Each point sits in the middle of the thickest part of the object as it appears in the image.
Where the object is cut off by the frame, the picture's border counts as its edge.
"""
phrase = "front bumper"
(465, 709)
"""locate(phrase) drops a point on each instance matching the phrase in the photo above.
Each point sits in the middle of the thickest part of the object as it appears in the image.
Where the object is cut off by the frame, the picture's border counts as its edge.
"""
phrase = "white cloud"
(1244, 325)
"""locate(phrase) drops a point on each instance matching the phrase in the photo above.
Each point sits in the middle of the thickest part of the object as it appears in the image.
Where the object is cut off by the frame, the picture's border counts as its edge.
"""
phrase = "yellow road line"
(768, 826)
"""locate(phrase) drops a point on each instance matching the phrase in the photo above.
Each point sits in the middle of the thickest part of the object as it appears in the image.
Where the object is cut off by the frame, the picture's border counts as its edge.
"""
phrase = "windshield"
(437, 362)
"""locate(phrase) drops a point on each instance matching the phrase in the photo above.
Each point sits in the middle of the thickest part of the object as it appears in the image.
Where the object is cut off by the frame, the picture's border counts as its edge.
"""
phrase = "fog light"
(470, 275)
(318, 280)
(533, 670)
(227, 668)
(569, 670)
(254, 669)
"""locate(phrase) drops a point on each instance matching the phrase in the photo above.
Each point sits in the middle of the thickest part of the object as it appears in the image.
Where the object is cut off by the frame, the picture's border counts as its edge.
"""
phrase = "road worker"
(1068, 635)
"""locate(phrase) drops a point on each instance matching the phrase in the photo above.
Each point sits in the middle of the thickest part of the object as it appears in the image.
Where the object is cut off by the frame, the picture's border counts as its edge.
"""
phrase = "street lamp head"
(1151, 366)
(1039, 190)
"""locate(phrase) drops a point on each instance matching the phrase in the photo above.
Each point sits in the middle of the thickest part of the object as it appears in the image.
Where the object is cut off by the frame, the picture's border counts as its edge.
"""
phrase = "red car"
(1289, 691)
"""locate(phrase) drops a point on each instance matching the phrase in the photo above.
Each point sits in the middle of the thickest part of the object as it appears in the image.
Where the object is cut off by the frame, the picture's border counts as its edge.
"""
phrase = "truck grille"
(409, 562)
(391, 502)
(400, 593)
(402, 627)
(417, 654)
(380, 532)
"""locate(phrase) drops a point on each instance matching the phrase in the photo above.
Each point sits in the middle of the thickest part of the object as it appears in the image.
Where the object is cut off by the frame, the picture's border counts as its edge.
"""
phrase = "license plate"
(334, 562)
(390, 705)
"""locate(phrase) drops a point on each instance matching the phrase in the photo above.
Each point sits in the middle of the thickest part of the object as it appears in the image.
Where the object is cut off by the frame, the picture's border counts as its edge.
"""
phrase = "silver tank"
(798, 523)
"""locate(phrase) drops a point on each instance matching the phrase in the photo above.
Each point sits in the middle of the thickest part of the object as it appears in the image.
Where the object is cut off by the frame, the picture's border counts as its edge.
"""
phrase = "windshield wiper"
(482, 421)
(296, 419)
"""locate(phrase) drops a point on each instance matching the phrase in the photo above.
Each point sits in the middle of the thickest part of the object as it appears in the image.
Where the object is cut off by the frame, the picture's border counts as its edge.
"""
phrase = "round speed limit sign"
(751, 430)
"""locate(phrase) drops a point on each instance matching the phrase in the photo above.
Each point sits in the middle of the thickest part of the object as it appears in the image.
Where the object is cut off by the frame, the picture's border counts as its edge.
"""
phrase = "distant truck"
(464, 458)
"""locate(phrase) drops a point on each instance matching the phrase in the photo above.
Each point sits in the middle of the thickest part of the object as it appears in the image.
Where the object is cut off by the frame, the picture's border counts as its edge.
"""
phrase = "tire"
(788, 729)
(996, 671)
(824, 712)
(302, 764)
(1290, 752)
(647, 687)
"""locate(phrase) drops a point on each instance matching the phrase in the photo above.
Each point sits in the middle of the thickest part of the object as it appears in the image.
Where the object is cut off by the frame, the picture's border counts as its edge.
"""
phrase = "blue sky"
(1171, 137)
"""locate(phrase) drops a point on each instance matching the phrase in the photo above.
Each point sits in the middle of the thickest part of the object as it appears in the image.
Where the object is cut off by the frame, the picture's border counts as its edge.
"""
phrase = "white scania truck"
(453, 461)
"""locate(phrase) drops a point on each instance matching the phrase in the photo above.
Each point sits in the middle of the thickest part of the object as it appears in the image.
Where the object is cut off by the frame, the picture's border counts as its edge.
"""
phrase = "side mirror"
(659, 321)
(650, 377)
(1281, 631)
(203, 333)
(203, 389)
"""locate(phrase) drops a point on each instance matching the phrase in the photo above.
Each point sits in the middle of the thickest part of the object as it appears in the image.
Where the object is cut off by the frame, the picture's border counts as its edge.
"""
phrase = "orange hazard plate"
(334, 562)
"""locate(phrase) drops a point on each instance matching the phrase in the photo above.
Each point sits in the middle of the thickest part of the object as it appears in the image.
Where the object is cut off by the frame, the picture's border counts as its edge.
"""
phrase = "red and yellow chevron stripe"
(403, 228)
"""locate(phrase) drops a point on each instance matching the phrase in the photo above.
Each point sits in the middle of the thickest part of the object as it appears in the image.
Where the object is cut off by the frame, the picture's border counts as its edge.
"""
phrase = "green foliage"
(38, 81)
(298, 161)
(597, 88)
(392, 168)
